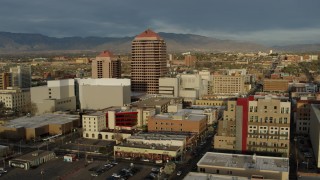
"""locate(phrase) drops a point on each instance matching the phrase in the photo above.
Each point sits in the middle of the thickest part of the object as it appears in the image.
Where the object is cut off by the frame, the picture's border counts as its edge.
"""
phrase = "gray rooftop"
(245, 162)
(148, 146)
(152, 102)
(156, 136)
(181, 115)
(205, 176)
(41, 120)
(33, 155)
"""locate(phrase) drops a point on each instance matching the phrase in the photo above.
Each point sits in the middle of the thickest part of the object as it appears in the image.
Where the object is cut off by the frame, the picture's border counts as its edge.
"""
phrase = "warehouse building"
(32, 160)
(35, 127)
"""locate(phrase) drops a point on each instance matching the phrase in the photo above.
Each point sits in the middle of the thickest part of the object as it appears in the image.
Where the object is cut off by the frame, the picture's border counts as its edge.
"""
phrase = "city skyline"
(266, 22)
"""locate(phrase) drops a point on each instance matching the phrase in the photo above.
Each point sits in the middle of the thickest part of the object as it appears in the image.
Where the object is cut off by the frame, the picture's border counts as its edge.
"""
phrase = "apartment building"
(255, 124)
(149, 59)
(275, 85)
(16, 99)
(106, 65)
(228, 84)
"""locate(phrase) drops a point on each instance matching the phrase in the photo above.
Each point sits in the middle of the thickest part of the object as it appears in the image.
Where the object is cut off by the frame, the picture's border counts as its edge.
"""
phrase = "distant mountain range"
(28, 43)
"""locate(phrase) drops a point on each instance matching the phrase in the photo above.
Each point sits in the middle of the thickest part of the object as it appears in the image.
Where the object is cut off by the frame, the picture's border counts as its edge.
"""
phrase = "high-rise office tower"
(21, 76)
(148, 62)
(106, 66)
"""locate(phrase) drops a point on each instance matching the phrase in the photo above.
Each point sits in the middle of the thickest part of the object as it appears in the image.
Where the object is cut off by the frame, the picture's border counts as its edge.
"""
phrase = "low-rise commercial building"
(178, 122)
(206, 176)
(159, 103)
(35, 127)
(150, 152)
(32, 159)
(95, 127)
(260, 167)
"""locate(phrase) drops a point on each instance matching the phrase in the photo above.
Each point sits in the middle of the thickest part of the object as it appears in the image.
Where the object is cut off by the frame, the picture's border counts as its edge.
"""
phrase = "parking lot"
(58, 169)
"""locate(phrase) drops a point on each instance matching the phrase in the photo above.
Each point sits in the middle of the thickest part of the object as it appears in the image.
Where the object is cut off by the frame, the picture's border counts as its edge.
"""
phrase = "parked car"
(179, 173)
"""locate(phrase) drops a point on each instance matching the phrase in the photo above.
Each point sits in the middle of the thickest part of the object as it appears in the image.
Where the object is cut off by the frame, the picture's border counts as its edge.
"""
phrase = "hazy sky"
(264, 21)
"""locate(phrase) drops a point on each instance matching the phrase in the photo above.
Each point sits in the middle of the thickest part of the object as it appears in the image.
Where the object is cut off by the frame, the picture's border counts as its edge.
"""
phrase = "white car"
(179, 173)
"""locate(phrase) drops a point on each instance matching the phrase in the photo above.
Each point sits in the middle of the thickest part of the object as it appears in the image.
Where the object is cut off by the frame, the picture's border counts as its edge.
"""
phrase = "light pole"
(42, 173)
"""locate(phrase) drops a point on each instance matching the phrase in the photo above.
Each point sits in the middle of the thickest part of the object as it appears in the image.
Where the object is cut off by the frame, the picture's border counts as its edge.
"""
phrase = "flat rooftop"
(149, 146)
(41, 120)
(205, 176)
(32, 156)
(157, 136)
(245, 162)
(180, 115)
(154, 101)
(97, 113)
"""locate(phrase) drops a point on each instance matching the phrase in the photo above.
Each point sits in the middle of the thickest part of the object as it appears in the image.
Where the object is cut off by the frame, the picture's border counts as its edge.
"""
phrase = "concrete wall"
(315, 132)
(100, 97)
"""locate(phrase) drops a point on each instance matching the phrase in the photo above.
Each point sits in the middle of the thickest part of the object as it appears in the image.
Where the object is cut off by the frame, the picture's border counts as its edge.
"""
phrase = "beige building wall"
(177, 125)
(100, 97)
(275, 85)
(211, 102)
(94, 122)
(169, 87)
(144, 115)
(16, 100)
(111, 119)
(224, 84)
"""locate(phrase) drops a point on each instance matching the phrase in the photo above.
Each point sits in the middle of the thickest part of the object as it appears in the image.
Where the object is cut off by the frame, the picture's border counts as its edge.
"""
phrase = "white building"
(169, 87)
(58, 95)
(103, 93)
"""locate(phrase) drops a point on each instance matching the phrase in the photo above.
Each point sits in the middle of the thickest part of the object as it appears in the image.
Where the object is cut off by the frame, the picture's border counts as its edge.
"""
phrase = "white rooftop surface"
(181, 115)
(38, 121)
(240, 161)
(104, 82)
(205, 176)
